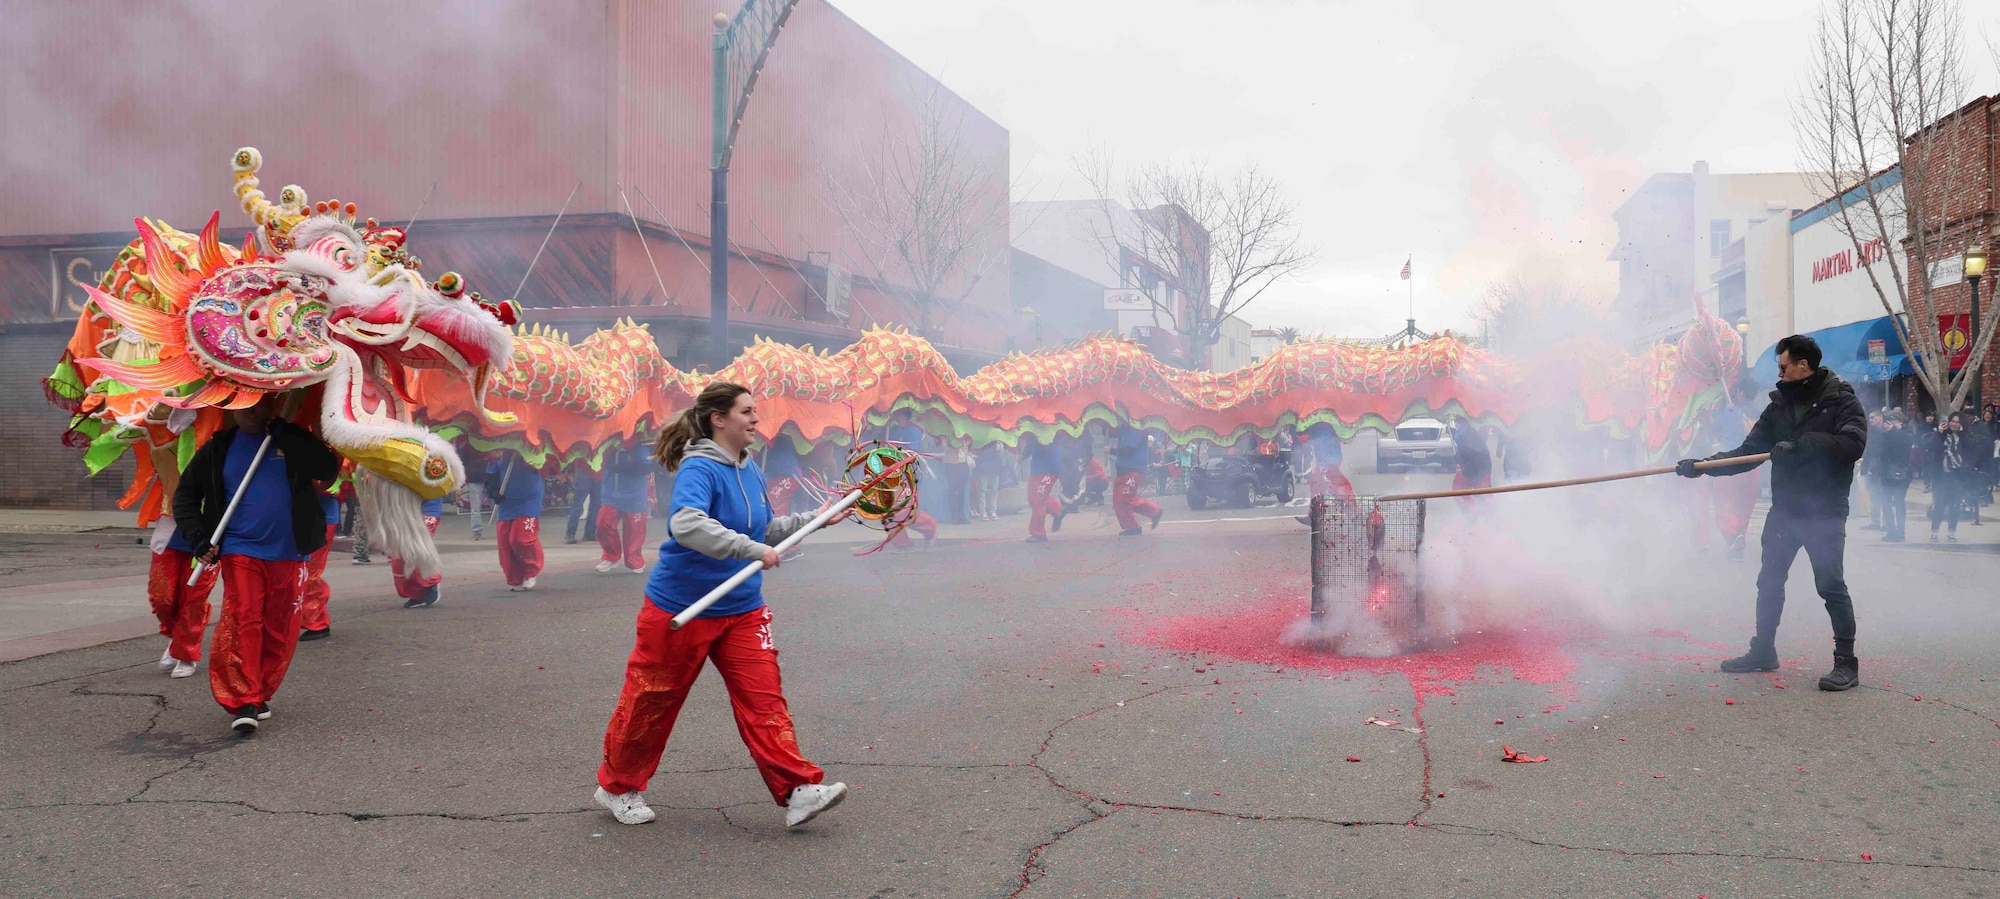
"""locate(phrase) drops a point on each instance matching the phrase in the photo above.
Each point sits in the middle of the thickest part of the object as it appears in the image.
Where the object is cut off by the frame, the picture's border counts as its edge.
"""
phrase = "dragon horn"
(159, 327)
(209, 249)
(245, 164)
(174, 284)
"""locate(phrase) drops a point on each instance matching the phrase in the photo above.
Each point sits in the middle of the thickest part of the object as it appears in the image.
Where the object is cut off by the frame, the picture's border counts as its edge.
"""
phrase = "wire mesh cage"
(1367, 584)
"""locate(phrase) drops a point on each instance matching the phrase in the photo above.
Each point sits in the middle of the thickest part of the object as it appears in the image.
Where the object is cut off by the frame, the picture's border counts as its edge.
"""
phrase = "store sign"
(1834, 265)
(70, 269)
(1956, 333)
(1127, 299)
(1878, 352)
(1947, 271)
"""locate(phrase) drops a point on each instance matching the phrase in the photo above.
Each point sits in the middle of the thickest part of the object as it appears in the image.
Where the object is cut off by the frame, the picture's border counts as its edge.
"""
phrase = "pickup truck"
(1417, 442)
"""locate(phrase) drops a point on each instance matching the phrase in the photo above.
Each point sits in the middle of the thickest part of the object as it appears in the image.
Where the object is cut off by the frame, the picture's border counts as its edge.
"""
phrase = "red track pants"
(258, 631)
(1327, 480)
(782, 490)
(409, 586)
(520, 541)
(663, 666)
(1041, 503)
(922, 523)
(312, 608)
(622, 536)
(182, 610)
(1125, 501)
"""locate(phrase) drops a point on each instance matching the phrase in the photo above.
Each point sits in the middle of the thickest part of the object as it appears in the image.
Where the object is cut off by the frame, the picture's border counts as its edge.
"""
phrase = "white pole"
(237, 497)
(723, 588)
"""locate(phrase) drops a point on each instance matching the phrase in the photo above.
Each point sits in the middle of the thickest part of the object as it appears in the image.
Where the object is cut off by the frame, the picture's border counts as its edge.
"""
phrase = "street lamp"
(1975, 268)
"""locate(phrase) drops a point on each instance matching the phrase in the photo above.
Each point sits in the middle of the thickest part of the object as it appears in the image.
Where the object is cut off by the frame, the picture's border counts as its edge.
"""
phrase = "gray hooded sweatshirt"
(693, 528)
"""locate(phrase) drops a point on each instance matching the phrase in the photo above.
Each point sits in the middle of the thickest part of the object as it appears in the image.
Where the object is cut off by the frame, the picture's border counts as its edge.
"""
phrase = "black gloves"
(1685, 468)
(1784, 448)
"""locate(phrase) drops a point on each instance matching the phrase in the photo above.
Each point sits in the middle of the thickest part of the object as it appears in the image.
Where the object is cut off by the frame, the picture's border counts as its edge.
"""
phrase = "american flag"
(1406, 268)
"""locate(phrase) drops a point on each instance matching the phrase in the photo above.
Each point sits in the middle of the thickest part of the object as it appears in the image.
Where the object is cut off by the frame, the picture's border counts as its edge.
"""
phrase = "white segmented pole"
(688, 614)
(235, 498)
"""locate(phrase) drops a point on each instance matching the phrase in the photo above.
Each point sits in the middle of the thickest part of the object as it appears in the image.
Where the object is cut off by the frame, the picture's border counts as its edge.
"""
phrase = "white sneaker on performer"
(167, 659)
(635, 571)
(183, 669)
(628, 808)
(528, 584)
(604, 566)
(808, 801)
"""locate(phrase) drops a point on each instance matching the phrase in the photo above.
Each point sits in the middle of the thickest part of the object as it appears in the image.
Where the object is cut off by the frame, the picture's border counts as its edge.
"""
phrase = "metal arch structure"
(741, 46)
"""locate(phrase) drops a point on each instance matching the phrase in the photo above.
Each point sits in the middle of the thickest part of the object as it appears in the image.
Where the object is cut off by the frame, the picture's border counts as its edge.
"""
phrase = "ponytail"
(693, 423)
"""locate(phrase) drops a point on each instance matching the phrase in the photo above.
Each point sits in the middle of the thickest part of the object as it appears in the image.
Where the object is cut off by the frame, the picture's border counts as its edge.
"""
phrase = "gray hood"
(712, 451)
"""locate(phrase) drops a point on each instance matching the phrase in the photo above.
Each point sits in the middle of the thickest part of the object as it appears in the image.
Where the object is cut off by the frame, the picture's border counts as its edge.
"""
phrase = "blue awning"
(1844, 348)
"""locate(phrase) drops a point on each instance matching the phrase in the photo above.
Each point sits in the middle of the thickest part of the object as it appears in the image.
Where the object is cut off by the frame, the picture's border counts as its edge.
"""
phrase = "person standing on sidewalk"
(475, 492)
(277, 525)
(1129, 457)
(1954, 473)
(1891, 468)
(1815, 430)
(517, 518)
(583, 502)
(988, 465)
(621, 526)
(719, 500)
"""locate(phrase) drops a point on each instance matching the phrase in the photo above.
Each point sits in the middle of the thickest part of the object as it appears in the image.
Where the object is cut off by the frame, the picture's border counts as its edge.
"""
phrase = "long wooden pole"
(1757, 459)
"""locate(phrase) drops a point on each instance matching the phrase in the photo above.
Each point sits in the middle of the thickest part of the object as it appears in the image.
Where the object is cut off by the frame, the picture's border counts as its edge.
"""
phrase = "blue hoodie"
(715, 509)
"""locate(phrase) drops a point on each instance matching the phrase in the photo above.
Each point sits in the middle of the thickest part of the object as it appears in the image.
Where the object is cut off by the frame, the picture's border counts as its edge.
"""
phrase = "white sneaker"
(183, 669)
(635, 571)
(604, 566)
(628, 808)
(528, 584)
(167, 659)
(808, 801)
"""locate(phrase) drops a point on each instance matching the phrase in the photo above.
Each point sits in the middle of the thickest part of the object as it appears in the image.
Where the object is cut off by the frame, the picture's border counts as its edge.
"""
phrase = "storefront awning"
(1845, 349)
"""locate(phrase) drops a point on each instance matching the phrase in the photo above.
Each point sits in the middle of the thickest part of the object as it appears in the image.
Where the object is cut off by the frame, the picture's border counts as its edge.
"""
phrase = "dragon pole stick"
(688, 614)
(263, 449)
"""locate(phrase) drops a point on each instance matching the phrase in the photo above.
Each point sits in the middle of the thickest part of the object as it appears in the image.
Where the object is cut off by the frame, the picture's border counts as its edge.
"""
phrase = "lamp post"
(1975, 268)
(740, 47)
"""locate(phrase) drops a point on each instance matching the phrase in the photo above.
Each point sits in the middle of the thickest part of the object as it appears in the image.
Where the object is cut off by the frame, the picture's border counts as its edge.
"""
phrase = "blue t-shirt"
(524, 491)
(330, 504)
(1131, 455)
(1043, 460)
(735, 498)
(625, 482)
(1326, 450)
(434, 508)
(262, 525)
(180, 542)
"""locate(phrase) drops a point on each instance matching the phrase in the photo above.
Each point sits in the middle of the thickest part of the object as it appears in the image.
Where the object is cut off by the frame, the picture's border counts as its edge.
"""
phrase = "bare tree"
(929, 214)
(1521, 314)
(1220, 240)
(1886, 88)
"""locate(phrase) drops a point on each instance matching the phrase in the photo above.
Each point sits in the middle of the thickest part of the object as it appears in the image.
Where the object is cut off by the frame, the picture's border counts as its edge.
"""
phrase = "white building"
(1232, 346)
(1833, 298)
(1101, 241)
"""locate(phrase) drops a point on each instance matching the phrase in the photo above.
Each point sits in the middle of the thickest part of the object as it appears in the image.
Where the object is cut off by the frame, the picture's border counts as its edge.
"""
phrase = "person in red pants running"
(1130, 455)
(277, 525)
(621, 526)
(517, 515)
(719, 499)
(1044, 474)
(313, 622)
(420, 591)
(182, 610)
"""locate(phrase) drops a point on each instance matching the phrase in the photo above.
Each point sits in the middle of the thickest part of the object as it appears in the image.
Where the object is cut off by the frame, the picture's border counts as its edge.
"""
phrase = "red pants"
(1125, 501)
(922, 523)
(182, 610)
(782, 490)
(258, 631)
(520, 541)
(312, 609)
(622, 536)
(1041, 503)
(1327, 480)
(409, 586)
(663, 666)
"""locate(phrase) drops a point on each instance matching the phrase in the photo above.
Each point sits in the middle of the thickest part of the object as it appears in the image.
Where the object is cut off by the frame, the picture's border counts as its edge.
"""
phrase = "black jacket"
(1892, 456)
(1822, 418)
(202, 495)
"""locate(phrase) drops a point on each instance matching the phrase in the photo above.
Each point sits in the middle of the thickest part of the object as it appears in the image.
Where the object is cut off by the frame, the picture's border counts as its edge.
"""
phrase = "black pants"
(958, 496)
(1948, 500)
(1892, 497)
(1825, 541)
(582, 509)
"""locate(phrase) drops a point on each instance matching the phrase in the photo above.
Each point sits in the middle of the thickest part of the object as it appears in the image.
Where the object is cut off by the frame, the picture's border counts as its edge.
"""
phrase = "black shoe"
(1131, 532)
(1057, 524)
(246, 720)
(1846, 675)
(263, 711)
(1761, 657)
(1037, 538)
(1156, 519)
(571, 539)
(425, 599)
(362, 560)
(1736, 548)
(309, 635)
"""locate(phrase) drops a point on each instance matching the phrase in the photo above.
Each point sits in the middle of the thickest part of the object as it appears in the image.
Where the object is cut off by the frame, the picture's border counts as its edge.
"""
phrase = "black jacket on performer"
(202, 495)
(1828, 431)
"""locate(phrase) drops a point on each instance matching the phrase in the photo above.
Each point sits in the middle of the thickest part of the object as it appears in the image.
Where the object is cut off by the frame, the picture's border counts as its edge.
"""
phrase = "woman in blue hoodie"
(720, 499)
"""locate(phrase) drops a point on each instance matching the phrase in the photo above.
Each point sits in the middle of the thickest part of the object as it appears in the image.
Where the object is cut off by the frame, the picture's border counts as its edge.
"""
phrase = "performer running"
(313, 621)
(182, 610)
(720, 498)
(621, 526)
(278, 523)
(1134, 450)
(517, 530)
(1044, 472)
(419, 592)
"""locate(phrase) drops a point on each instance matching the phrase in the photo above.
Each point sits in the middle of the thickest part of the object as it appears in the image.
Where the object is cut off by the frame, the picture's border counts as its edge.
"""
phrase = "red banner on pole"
(1955, 331)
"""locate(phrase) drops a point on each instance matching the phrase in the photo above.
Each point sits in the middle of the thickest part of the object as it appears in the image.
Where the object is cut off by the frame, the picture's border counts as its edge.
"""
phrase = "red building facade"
(1960, 198)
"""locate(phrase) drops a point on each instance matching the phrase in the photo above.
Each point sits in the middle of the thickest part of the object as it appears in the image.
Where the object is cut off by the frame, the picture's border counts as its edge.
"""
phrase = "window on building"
(1718, 236)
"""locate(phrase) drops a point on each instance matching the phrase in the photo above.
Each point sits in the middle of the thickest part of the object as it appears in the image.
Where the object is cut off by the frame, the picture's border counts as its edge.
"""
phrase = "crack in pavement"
(1968, 710)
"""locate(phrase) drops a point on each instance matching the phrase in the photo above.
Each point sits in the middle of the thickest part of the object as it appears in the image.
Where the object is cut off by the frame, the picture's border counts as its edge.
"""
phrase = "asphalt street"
(1098, 716)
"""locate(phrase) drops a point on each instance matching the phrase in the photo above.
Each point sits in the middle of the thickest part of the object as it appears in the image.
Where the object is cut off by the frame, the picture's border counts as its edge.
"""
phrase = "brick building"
(506, 113)
(1960, 158)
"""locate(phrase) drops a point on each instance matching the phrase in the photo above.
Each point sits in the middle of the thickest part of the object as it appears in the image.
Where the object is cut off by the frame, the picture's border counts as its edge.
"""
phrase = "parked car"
(1237, 481)
(1417, 442)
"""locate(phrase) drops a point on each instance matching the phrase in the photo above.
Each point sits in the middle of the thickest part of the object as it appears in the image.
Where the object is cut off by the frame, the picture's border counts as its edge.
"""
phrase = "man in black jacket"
(261, 552)
(1815, 431)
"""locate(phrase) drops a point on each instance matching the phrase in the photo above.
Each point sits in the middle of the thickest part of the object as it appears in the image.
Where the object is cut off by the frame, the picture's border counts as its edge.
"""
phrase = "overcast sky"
(1482, 138)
